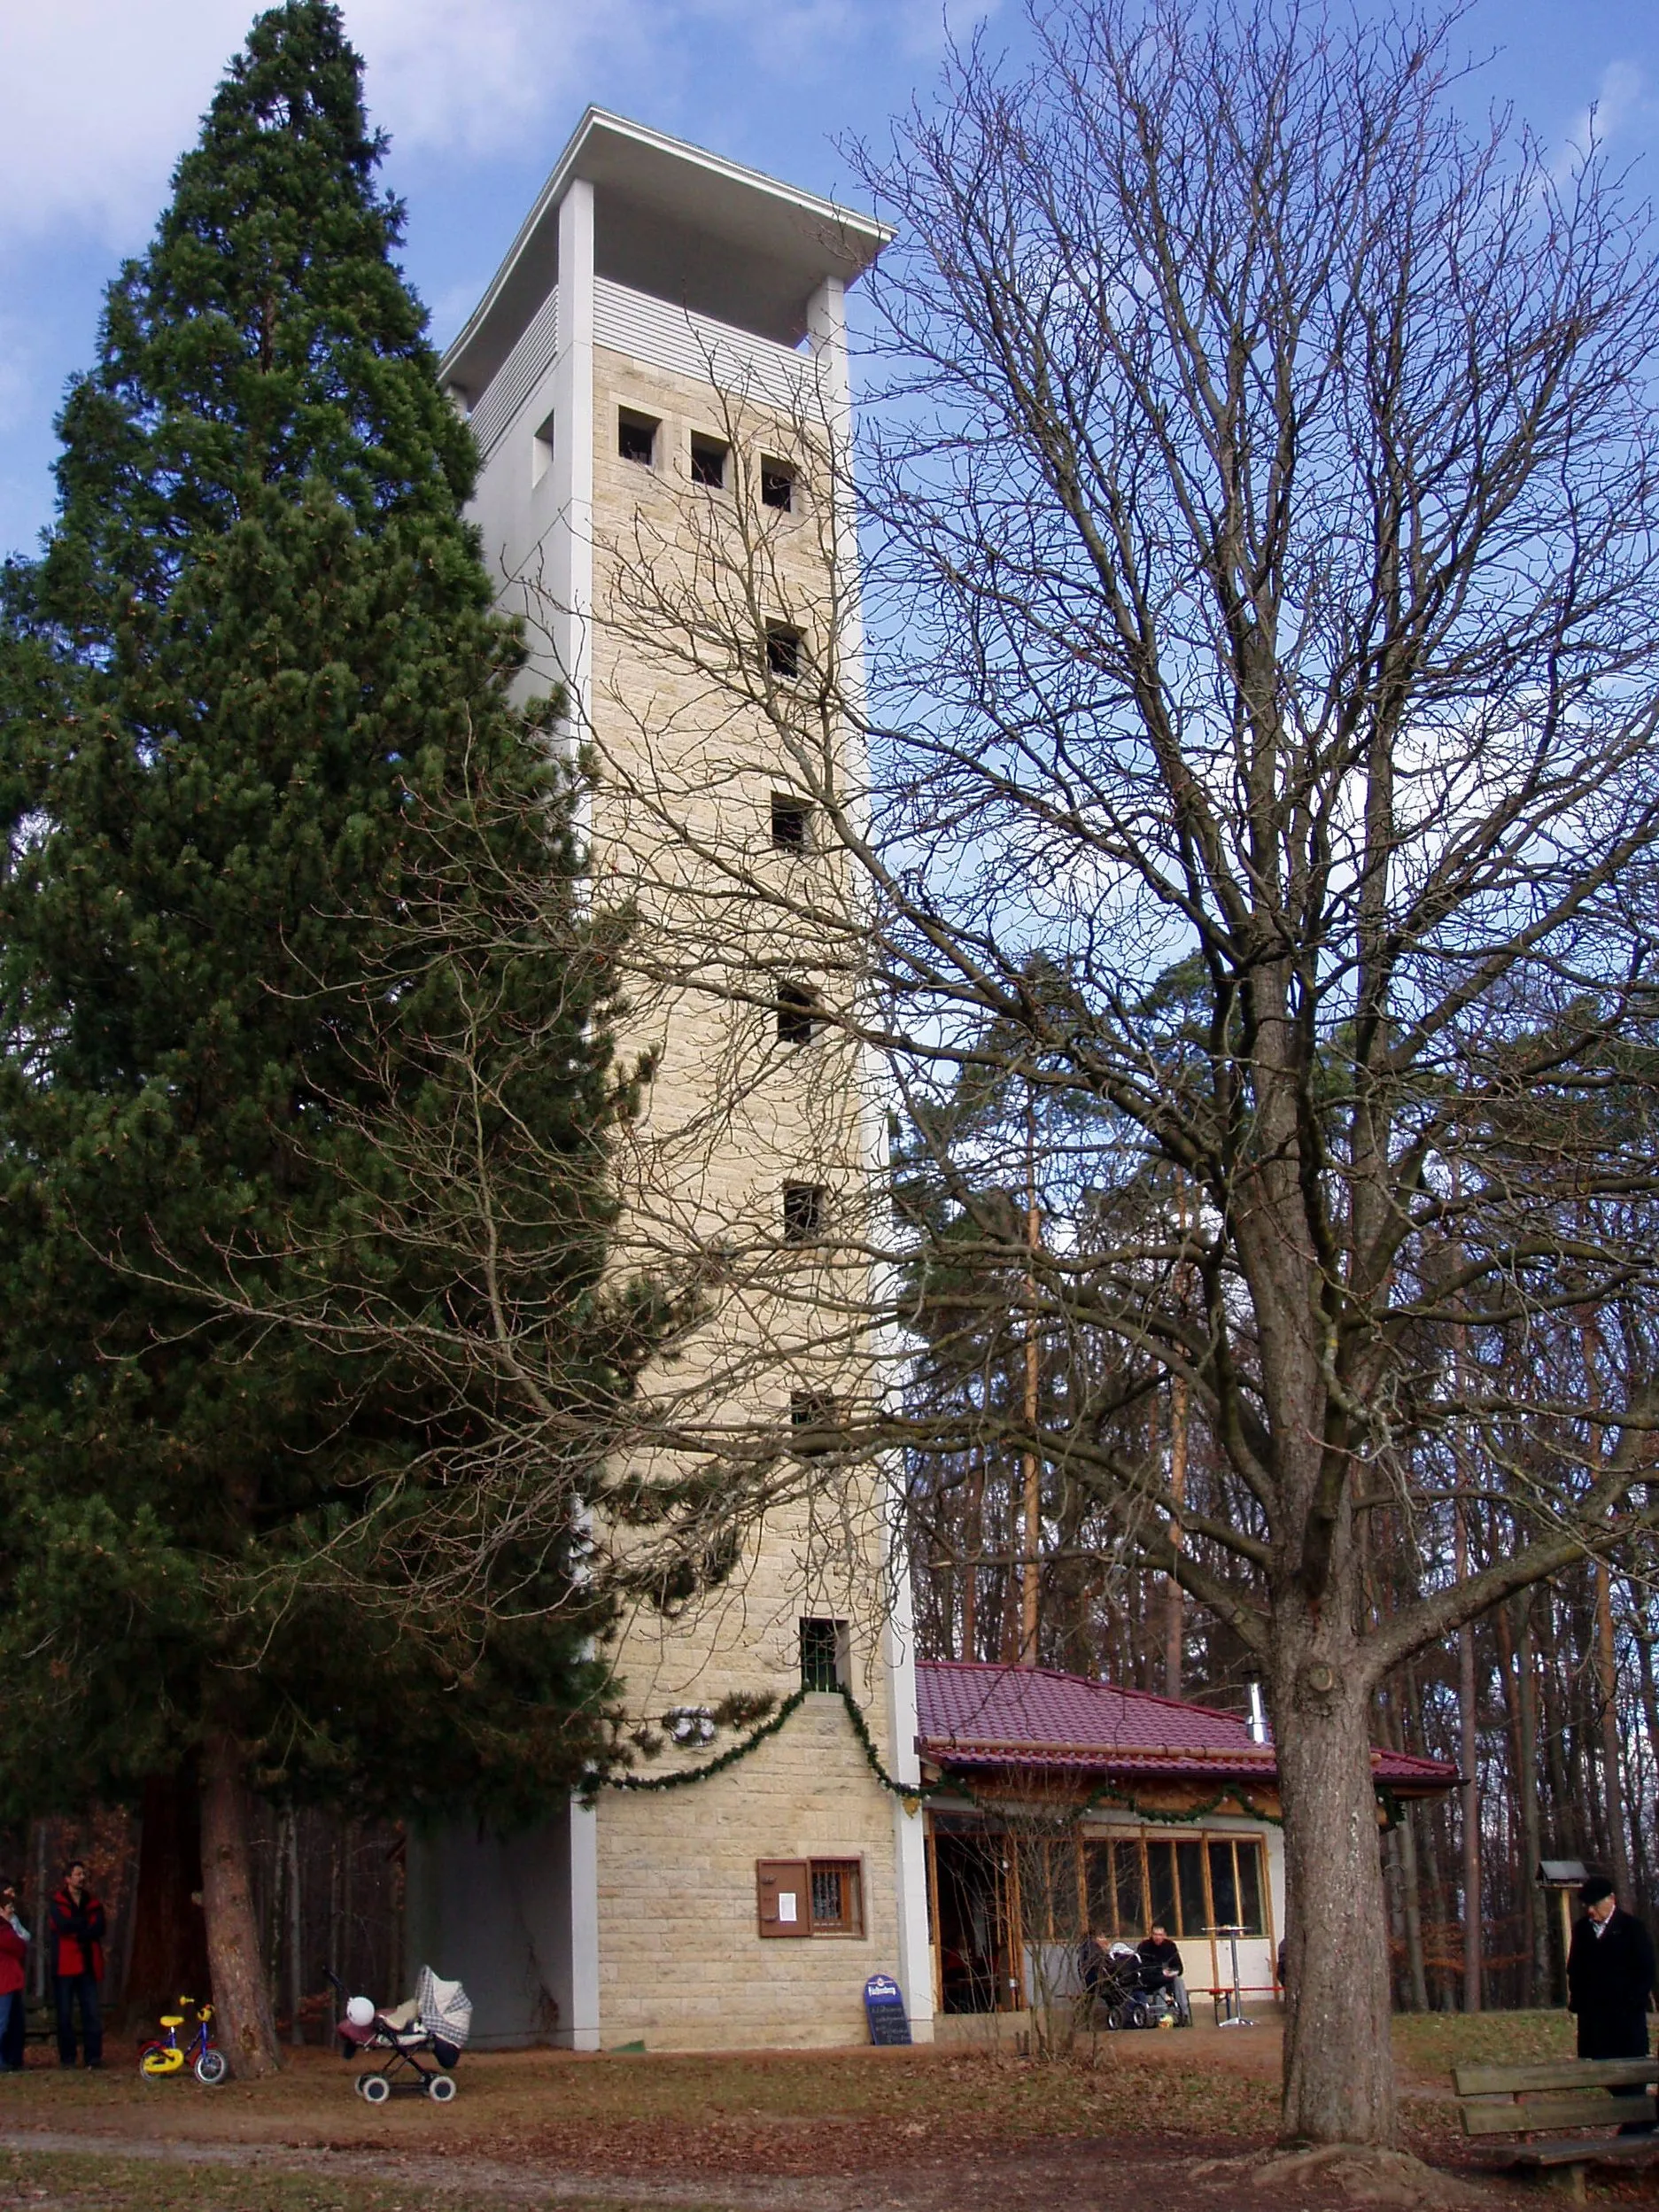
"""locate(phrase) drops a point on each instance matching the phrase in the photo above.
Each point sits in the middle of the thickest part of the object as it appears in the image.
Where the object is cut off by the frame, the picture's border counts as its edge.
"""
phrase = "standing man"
(15, 1951)
(1610, 1984)
(1159, 1955)
(77, 1935)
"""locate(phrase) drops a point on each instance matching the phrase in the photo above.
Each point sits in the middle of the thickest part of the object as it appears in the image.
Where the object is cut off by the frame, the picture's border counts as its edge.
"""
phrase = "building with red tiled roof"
(972, 1716)
(1063, 1806)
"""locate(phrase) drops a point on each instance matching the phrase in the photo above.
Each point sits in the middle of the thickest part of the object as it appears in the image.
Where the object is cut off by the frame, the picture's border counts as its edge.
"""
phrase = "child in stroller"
(435, 2022)
(1120, 1989)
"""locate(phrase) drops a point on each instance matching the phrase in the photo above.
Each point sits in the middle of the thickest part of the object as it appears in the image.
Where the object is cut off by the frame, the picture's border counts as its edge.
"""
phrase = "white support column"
(572, 576)
(826, 326)
(583, 1905)
(572, 544)
(909, 1850)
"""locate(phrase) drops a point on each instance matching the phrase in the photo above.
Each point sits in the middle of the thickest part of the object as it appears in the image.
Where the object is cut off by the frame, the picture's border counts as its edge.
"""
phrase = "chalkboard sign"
(884, 2009)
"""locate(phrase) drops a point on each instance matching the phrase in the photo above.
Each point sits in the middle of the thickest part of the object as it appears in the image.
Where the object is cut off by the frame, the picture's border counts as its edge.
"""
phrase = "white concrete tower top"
(686, 226)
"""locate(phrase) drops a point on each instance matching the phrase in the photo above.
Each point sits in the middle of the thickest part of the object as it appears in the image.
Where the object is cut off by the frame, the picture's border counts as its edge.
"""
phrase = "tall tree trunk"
(41, 1948)
(248, 2033)
(973, 1544)
(1607, 1695)
(1468, 1760)
(1416, 1974)
(1338, 2061)
(1645, 1675)
(296, 1928)
(1410, 1875)
(1569, 1828)
(168, 1954)
(1532, 1825)
(1175, 1599)
(1030, 1466)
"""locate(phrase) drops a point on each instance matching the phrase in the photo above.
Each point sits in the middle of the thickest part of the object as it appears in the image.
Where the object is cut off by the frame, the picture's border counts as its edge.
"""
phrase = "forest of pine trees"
(1549, 1702)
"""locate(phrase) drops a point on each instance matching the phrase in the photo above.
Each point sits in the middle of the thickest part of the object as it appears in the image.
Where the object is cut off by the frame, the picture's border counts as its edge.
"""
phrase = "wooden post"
(1566, 1935)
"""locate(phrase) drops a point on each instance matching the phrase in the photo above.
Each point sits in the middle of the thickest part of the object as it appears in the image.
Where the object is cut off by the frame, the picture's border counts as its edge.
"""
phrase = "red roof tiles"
(973, 1713)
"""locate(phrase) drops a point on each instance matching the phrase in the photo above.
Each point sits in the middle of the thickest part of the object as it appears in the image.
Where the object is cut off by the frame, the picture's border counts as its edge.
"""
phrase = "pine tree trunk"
(168, 1957)
(1612, 1747)
(1338, 2060)
(1469, 1795)
(247, 2032)
(1532, 1825)
(1415, 1969)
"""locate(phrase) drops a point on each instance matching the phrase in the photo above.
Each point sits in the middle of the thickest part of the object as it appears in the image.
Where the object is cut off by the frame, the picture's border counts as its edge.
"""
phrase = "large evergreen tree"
(259, 766)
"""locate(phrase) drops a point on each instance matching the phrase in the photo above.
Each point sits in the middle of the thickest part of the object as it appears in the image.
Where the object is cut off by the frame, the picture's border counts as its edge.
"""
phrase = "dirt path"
(902, 2132)
(1086, 2176)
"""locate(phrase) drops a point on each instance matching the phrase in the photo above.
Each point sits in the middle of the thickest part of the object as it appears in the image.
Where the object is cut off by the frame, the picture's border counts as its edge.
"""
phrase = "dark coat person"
(1610, 1983)
(1610, 1977)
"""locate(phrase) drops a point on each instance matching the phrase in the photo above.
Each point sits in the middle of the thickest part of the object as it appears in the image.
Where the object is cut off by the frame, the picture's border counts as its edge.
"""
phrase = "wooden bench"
(1540, 2101)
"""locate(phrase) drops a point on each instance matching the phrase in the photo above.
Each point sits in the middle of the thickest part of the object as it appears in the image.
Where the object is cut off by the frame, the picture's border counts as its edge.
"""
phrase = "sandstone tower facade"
(657, 379)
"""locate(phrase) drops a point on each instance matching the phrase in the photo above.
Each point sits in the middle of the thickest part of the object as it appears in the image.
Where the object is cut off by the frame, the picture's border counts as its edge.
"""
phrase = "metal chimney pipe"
(1258, 1713)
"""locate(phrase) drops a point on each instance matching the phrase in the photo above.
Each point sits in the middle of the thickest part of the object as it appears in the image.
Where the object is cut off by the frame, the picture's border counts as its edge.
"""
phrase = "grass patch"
(1429, 2045)
(51, 2181)
(63, 2181)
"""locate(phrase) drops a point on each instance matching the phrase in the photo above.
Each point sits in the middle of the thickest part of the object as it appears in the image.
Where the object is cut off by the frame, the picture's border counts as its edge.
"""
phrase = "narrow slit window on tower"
(814, 1418)
(791, 824)
(823, 1643)
(798, 1014)
(635, 437)
(804, 1206)
(708, 457)
(777, 484)
(541, 452)
(783, 650)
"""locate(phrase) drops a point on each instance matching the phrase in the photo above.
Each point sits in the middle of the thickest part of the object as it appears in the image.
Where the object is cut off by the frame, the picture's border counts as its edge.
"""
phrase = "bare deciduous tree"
(1262, 517)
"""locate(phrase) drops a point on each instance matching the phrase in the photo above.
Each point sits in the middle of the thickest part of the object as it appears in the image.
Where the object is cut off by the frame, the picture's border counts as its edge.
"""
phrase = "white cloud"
(98, 97)
(96, 101)
(1620, 100)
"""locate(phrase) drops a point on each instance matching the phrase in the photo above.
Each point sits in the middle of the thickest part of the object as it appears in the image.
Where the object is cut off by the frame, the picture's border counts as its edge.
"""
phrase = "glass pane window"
(1190, 1881)
(837, 1905)
(1224, 1885)
(1247, 1856)
(820, 1654)
(1063, 1900)
(1102, 1896)
(1161, 1880)
(1126, 1860)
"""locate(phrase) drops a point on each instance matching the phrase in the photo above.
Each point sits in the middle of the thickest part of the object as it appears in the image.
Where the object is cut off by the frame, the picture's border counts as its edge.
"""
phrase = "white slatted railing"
(714, 353)
(518, 375)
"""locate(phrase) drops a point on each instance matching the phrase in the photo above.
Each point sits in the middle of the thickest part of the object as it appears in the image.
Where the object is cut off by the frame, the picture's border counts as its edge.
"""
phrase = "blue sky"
(98, 97)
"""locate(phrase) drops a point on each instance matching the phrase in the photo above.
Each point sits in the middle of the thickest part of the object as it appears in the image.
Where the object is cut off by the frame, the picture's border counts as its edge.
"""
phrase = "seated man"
(1159, 1957)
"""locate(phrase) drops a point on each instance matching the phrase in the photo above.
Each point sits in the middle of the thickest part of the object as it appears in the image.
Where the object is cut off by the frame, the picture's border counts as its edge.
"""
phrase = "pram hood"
(443, 2008)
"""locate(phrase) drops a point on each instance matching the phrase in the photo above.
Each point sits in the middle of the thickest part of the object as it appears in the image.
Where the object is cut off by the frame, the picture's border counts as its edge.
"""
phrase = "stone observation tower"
(657, 381)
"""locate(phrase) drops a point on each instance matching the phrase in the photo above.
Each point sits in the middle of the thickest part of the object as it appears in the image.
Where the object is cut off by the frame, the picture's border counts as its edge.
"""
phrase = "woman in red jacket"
(77, 1933)
(14, 1951)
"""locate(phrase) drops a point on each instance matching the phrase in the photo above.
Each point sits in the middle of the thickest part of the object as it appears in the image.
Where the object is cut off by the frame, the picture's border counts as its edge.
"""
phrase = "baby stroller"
(1129, 1993)
(434, 2023)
